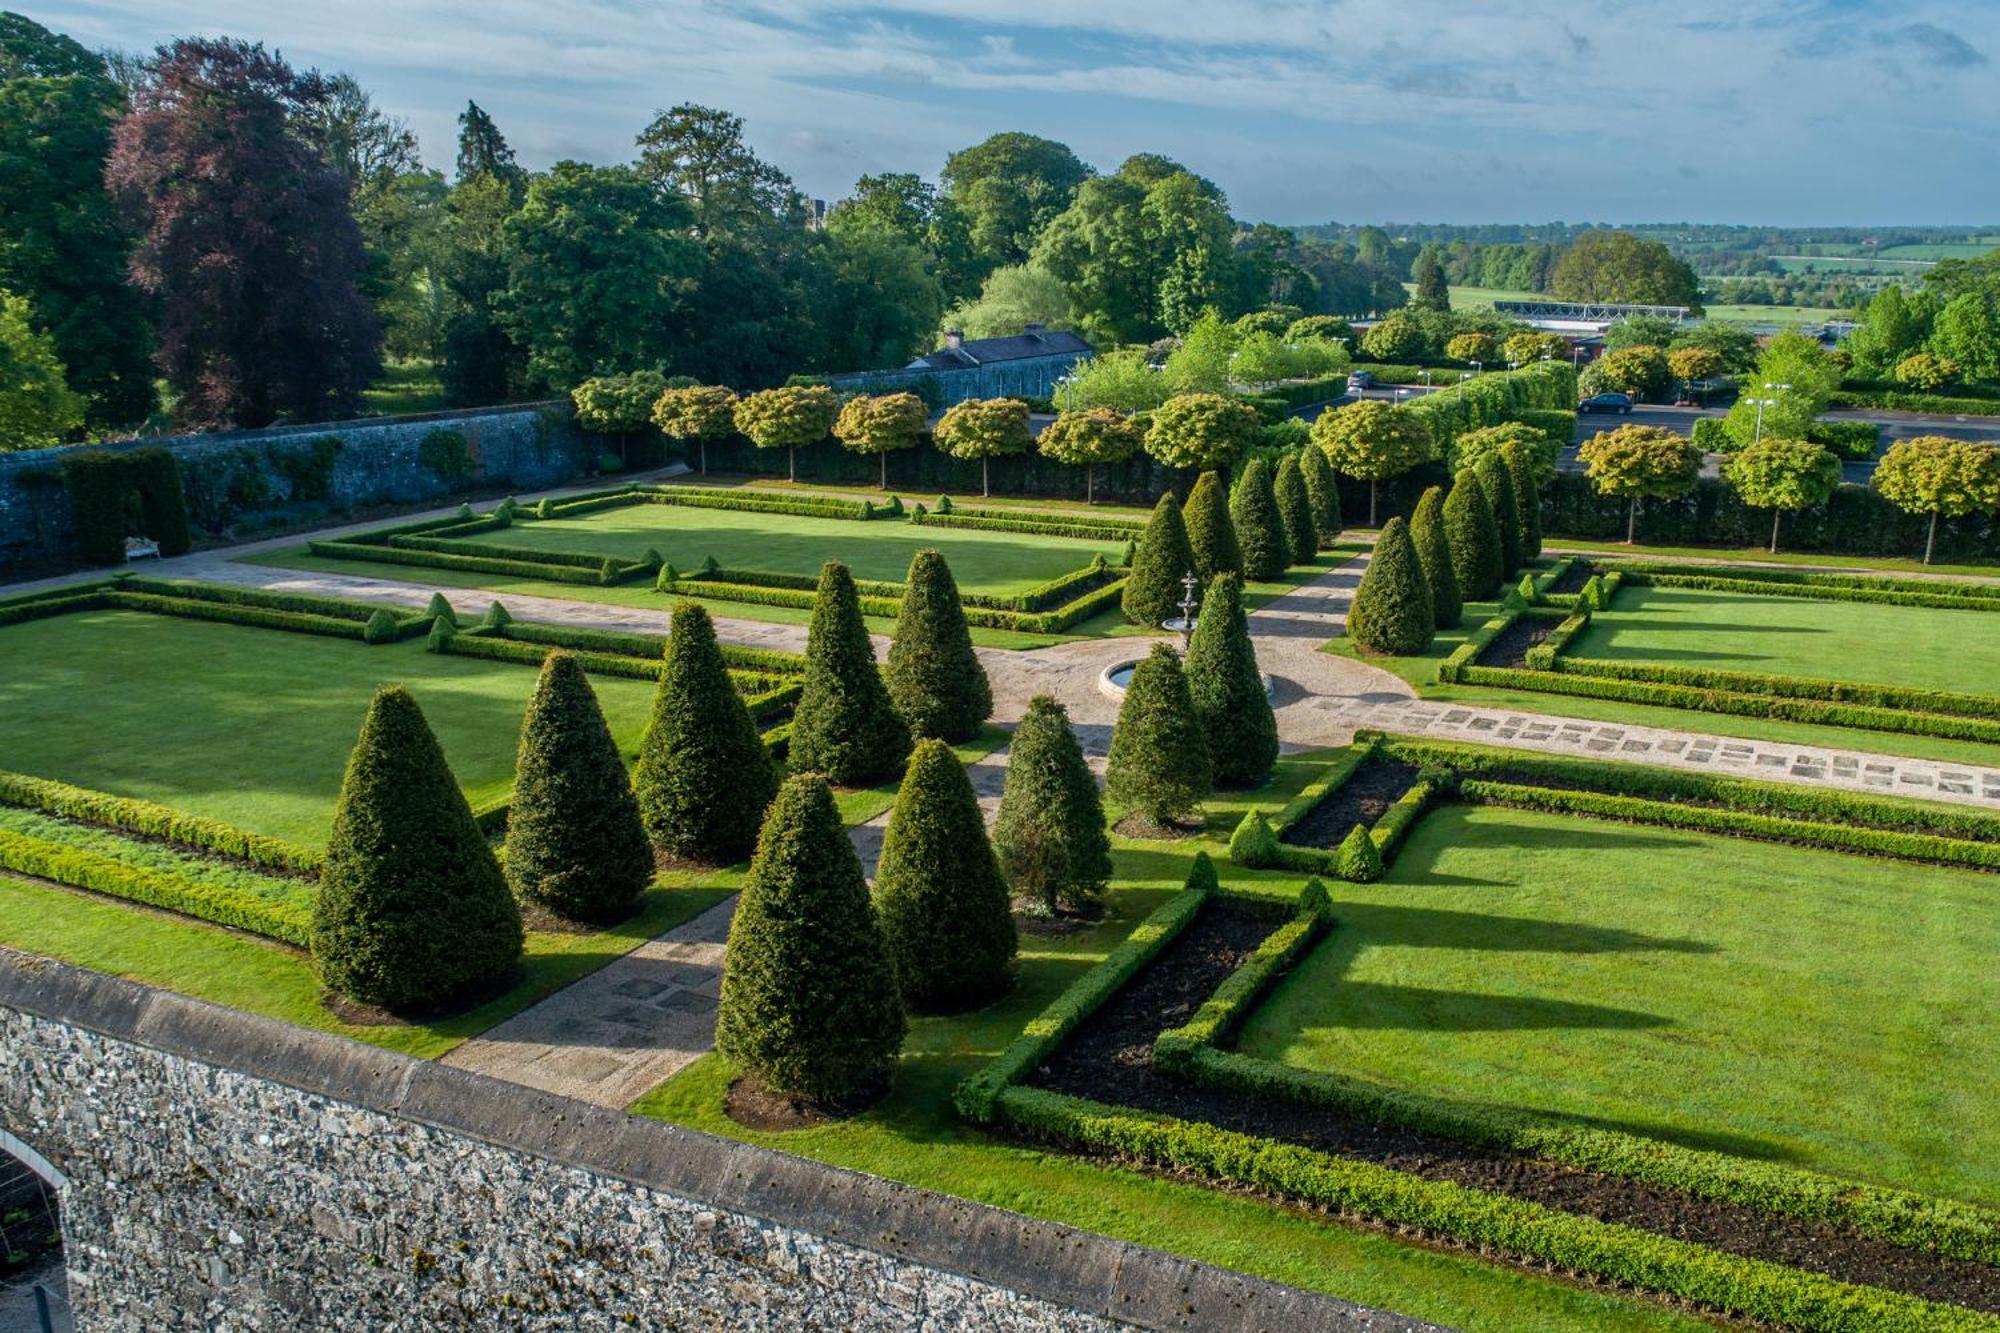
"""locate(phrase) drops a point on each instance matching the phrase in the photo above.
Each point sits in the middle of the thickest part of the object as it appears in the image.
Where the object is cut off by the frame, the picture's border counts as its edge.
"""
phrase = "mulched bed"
(1573, 578)
(1109, 1059)
(1509, 648)
(1368, 791)
(1144, 826)
(752, 1105)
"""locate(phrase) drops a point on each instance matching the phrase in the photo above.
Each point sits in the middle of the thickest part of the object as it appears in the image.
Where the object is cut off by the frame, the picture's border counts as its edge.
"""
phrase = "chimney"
(954, 337)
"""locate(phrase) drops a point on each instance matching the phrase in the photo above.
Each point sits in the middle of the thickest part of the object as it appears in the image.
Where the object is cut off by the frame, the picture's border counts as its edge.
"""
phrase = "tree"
(1694, 365)
(902, 206)
(1791, 386)
(1475, 446)
(935, 680)
(698, 154)
(985, 428)
(1089, 436)
(1159, 766)
(1201, 430)
(37, 408)
(1210, 530)
(787, 418)
(1012, 298)
(1966, 331)
(247, 246)
(1295, 510)
(1433, 548)
(483, 150)
(1779, 474)
(574, 841)
(482, 361)
(703, 776)
(1735, 344)
(363, 143)
(1499, 485)
(1926, 372)
(845, 725)
(1050, 832)
(1323, 489)
(1397, 338)
(944, 905)
(888, 302)
(1893, 327)
(1618, 266)
(1009, 187)
(1260, 528)
(1393, 612)
(1201, 362)
(1941, 477)
(1230, 702)
(1153, 588)
(1372, 440)
(618, 404)
(1473, 537)
(1635, 463)
(878, 423)
(412, 912)
(1528, 346)
(1641, 371)
(1431, 291)
(1524, 466)
(1476, 348)
(1123, 381)
(809, 998)
(1328, 328)
(701, 413)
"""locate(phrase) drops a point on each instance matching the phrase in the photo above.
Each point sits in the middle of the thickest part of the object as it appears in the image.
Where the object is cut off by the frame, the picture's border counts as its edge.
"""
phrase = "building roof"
(1020, 347)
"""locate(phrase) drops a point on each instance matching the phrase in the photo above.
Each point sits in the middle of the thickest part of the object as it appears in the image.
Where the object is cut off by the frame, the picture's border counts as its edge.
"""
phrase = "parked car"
(1359, 380)
(1621, 403)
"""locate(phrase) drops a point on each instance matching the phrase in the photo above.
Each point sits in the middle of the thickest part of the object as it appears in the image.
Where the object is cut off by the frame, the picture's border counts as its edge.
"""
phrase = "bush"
(703, 776)
(1260, 529)
(413, 911)
(845, 726)
(149, 820)
(1227, 689)
(1201, 430)
(574, 841)
(1522, 469)
(1153, 592)
(1473, 536)
(1323, 490)
(163, 515)
(1358, 861)
(1427, 534)
(1254, 845)
(1159, 764)
(1050, 833)
(83, 868)
(809, 1000)
(1295, 511)
(1392, 611)
(95, 484)
(380, 628)
(1211, 533)
(946, 919)
(935, 680)
(1498, 484)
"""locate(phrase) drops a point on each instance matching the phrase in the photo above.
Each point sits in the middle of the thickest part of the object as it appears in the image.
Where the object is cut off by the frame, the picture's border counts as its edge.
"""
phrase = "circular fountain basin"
(1115, 679)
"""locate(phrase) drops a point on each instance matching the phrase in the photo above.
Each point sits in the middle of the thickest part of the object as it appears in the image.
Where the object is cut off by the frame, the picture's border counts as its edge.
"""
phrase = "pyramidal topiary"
(1358, 861)
(1392, 611)
(1211, 535)
(412, 910)
(1295, 509)
(1050, 835)
(440, 609)
(845, 725)
(1153, 590)
(1159, 765)
(1427, 532)
(1527, 497)
(1260, 529)
(935, 680)
(1323, 489)
(1474, 539)
(703, 776)
(1254, 844)
(574, 841)
(1228, 689)
(1499, 486)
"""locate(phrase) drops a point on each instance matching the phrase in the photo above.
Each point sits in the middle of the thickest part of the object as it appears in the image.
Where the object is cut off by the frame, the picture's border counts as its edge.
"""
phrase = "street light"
(1763, 403)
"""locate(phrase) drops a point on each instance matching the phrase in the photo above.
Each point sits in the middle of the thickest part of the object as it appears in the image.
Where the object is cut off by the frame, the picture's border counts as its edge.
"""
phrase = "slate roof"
(987, 351)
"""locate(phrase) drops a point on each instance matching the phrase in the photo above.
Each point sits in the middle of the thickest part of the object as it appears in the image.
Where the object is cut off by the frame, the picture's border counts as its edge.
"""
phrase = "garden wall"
(224, 1171)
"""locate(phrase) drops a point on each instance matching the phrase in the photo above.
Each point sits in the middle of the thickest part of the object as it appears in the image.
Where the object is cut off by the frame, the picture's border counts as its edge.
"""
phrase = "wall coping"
(1080, 1269)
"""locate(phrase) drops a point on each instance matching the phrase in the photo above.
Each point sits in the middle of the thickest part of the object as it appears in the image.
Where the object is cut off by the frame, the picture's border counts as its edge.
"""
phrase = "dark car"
(1358, 380)
(1620, 403)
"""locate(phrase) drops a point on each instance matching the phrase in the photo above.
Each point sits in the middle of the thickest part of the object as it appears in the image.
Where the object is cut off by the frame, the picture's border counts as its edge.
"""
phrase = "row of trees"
(1945, 333)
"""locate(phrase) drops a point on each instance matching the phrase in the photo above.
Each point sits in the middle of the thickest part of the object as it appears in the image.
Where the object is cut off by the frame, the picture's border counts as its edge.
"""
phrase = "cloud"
(1940, 46)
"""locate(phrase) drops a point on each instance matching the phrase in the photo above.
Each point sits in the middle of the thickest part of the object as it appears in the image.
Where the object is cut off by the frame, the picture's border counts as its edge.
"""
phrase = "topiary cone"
(1050, 834)
(1474, 539)
(1358, 861)
(1159, 764)
(1392, 611)
(1527, 498)
(844, 725)
(935, 680)
(1499, 486)
(1211, 535)
(1427, 533)
(1260, 530)
(1295, 510)
(1323, 489)
(1228, 689)
(1153, 590)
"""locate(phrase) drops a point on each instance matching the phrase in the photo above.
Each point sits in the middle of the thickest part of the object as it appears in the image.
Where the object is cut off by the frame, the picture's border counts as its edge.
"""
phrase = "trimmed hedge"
(25, 609)
(1542, 656)
(409, 625)
(399, 555)
(722, 586)
(769, 660)
(1086, 530)
(152, 820)
(155, 888)
(1895, 697)
(761, 502)
(230, 613)
(1956, 596)
(1224, 1012)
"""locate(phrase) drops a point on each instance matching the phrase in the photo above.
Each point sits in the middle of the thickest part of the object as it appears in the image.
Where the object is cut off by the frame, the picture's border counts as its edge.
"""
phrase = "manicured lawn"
(1041, 504)
(1837, 1012)
(1753, 555)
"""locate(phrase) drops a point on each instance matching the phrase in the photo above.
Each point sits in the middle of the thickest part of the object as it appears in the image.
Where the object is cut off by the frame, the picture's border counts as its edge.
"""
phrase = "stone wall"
(228, 1172)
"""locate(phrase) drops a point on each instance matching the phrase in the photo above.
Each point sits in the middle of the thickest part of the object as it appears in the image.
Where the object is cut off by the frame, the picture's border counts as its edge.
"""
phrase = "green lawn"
(1836, 1012)
(403, 387)
(1038, 504)
(1889, 564)
(1774, 314)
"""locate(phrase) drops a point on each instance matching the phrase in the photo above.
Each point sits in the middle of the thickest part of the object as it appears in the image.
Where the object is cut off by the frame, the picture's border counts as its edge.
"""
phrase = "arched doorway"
(34, 1292)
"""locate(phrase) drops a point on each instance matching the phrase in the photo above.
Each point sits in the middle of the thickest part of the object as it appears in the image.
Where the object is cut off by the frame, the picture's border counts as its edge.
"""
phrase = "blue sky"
(1775, 111)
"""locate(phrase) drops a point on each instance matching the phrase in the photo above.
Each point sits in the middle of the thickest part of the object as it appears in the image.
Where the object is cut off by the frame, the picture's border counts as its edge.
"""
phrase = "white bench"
(138, 547)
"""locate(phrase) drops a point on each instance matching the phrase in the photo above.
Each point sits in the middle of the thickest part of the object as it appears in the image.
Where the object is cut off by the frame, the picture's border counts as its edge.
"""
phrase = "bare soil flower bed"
(1368, 791)
(1509, 648)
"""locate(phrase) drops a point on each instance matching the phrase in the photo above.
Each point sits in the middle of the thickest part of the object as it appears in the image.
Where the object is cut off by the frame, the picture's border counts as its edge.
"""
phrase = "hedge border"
(150, 819)
(1814, 585)
(1084, 531)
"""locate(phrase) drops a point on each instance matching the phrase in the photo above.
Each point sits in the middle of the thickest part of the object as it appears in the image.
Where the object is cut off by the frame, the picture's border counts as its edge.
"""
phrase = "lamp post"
(1763, 403)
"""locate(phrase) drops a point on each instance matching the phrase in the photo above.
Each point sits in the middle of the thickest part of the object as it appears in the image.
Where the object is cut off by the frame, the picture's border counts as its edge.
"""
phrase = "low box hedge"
(762, 502)
(254, 616)
(1787, 687)
(769, 660)
(399, 555)
(1223, 1013)
(1083, 529)
(1941, 594)
(1542, 657)
(152, 820)
(409, 624)
(24, 609)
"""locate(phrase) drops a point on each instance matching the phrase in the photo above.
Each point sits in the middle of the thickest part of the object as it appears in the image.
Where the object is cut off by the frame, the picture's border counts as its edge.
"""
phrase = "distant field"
(1946, 250)
(1775, 314)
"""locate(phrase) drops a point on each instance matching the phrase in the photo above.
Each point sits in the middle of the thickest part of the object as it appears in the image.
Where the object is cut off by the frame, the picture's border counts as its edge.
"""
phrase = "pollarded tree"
(1323, 489)
(809, 998)
(935, 679)
(700, 413)
(1473, 537)
(1088, 437)
(1779, 474)
(1472, 347)
(1941, 477)
(1528, 482)
(1635, 463)
(1201, 430)
(1228, 690)
(703, 776)
(574, 841)
(1472, 448)
(618, 404)
(985, 429)
(1693, 365)
(413, 911)
(944, 905)
(1260, 529)
(1050, 833)
(845, 725)
(1427, 534)
(787, 418)
(1393, 612)
(1153, 590)
(1295, 509)
(1159, 765)
(1211, 533)
(1499, 484)
(1371, 440)
(879, 423)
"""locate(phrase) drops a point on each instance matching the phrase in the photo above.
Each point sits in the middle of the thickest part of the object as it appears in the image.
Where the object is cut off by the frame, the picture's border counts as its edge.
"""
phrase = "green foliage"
(1013, 297)
(1794, 380)
(446, 454)
(1227, 689)
(1050, 832)
(944, 906)
(699, 412)
(153, 821)
(1471, 448)
(1211, 532)
(1640, 462)
(1618, 266)
(1159, 765)
(440, 609)
(845, 727)
(1089, 436)
(116, 495)
(1780, 474)
(880, 423)
(809, 997)
(1295, 509)
(1260, 529)
(985, 429)
(1122, 381)
(1433, 547)
(1498, 483)
(703, 776)
(1393, 612)
(617, 404)
(1323, 489)
(1372, 440)
(1201, 430)
(1358, 861)
(935, 680)
(1473, 537)
(413, 911)
(1941, 477)
(1253, 845)
(37, 408)
(1926, 372)
(1471, 347)
(1153, 592)
(1522, 468)
(788, 417)
(1397, 338)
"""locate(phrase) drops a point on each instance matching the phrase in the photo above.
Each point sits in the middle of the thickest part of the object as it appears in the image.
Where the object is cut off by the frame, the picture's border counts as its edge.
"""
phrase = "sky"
(1792, 112)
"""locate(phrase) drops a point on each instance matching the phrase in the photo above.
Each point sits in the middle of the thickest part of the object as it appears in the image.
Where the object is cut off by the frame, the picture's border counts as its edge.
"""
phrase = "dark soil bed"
(1509, 648)
(1368, 791)
(752, 1105)
(1109, 1059)
(1573, 578)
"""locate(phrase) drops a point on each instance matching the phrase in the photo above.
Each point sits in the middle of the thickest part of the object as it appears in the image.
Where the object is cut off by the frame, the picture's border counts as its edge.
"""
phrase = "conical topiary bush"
(1474, 539)
(1323, 489)
(703, 776)
(935, 680)
(943, 904)
(1392, 611)
(1427, 533)
(1228, 689)
(1210, 533)
(1153, 591)
(1050, 835)
(809, 1002)
(412, 911)
(1358, 860)
(1295, 510)
(1260, 530)
(844, 725)
(1527, 497)
(1498, 484)
(1159, 766)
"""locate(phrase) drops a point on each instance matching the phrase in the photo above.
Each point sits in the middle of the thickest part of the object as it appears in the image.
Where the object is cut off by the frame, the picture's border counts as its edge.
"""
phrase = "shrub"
(944, 906)
(809, 1001)
(1358, 861)
(703, 776)
(1521, 466)
(1254, 845)
(1201, 430)
(1427, 534)
(1498, 484)
(1392, 611)
(440, 609)
(380, 628)
(1164, 557)
(845, 726)
(984, 428)
(1473, 538)
(412, 910)
(1323, 489)
(1295, 511)
(1260, 529)
(163, 516)
(935, 680)
(1210, 531)
(1050, 834)
(1228, 690)
(446, 454)
(1159, 764)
